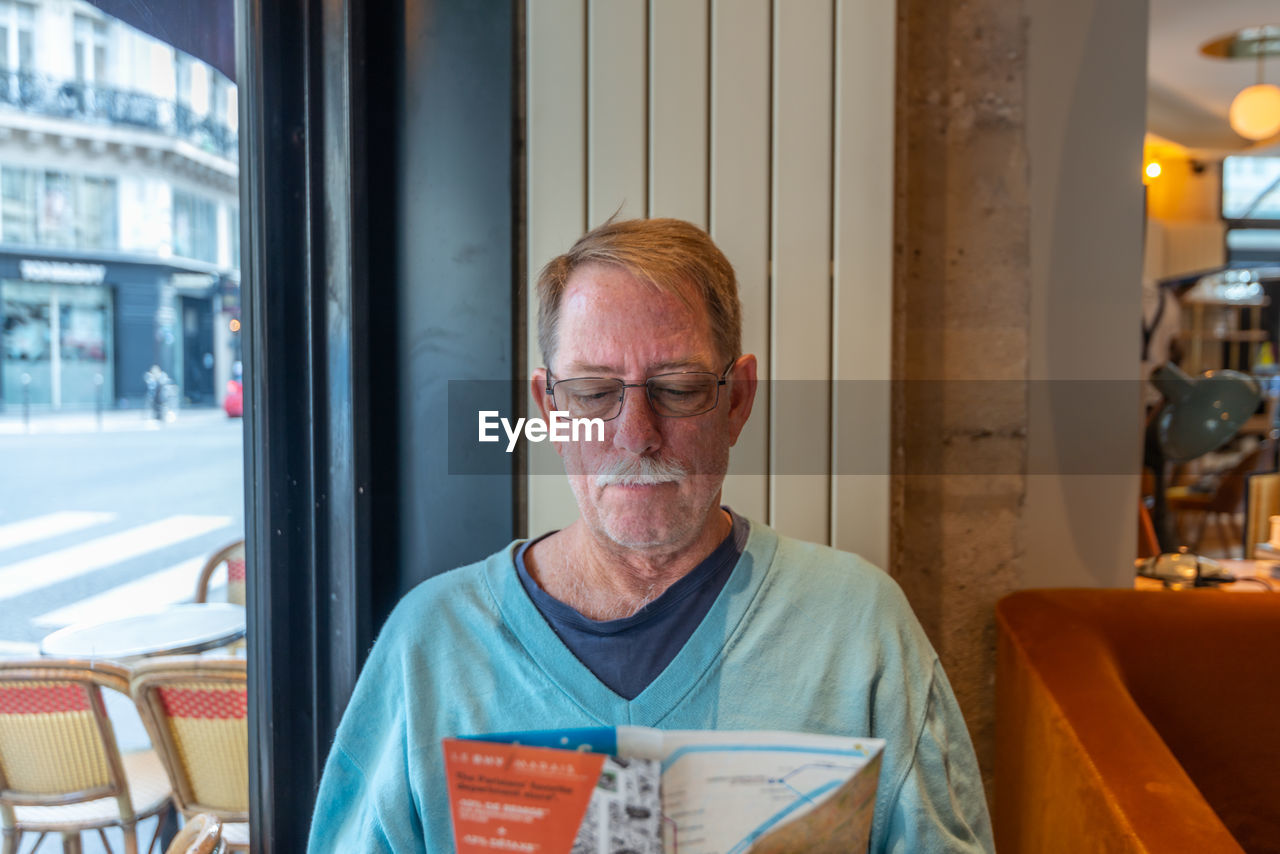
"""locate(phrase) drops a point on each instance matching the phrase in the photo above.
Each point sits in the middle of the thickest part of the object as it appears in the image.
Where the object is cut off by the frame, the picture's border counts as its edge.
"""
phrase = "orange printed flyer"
(513, 797)
(648, 791)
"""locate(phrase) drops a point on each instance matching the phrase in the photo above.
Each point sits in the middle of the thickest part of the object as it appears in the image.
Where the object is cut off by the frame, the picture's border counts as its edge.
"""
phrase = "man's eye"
(593, 393)
(678, 390)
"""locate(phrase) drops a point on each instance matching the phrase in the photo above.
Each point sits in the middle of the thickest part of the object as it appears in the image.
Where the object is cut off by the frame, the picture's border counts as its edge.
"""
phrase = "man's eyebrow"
(582, 369)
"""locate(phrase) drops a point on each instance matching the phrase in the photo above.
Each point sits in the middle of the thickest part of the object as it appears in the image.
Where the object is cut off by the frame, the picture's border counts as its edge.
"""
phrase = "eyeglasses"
(676, 395)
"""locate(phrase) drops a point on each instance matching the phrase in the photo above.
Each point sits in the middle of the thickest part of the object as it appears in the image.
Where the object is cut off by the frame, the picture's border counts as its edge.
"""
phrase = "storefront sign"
(63, 272)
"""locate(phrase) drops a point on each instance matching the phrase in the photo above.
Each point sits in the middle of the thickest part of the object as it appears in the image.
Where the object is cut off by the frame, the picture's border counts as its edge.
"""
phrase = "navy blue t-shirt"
(628, 654)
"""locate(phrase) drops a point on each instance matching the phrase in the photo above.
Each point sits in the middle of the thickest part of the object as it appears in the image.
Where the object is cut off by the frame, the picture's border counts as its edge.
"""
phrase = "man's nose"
(636, 428)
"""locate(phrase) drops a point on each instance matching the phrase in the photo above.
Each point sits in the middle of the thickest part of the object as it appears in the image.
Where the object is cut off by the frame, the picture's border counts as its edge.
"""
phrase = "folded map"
(647, 791)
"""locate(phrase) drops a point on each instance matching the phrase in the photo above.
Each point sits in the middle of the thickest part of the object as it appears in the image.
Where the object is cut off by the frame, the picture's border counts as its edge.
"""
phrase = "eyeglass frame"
(723, 379)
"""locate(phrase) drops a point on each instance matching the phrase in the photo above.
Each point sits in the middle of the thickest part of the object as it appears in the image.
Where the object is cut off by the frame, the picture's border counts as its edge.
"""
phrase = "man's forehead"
(613, 322)
(594, 280)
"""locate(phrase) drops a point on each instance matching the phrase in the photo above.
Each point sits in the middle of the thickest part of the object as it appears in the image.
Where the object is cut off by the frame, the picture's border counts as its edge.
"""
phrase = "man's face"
(614, 325)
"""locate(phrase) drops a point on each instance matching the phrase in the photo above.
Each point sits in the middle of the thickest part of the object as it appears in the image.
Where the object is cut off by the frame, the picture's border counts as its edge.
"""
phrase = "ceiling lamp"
(1255, 111)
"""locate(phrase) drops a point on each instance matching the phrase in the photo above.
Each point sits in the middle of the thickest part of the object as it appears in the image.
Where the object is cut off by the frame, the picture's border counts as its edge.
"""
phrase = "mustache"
(640, 471)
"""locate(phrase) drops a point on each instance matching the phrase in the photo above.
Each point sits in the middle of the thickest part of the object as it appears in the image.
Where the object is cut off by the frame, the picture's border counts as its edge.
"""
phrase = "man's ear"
(538, 388)
(742, 394)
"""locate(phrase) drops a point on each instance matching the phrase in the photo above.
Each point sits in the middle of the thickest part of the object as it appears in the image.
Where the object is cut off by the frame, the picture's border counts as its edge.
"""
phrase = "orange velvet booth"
(1134, 721)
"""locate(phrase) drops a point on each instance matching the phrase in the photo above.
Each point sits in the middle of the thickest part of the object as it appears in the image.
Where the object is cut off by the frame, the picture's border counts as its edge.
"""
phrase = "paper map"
(634, 790)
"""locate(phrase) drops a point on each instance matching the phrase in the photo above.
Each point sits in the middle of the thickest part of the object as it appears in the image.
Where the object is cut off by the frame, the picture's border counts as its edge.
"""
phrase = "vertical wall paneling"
(863, 278)
(770, 122)
(739, 103)
(678, 64)
(800, 428)
(557, 112)
(617, 109)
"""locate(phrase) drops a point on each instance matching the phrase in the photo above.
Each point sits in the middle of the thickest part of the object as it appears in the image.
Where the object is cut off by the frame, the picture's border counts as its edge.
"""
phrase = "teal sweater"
(802, 637)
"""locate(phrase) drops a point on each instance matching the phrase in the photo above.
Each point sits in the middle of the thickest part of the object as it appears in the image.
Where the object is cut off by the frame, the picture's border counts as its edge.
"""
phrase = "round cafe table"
(177, 630)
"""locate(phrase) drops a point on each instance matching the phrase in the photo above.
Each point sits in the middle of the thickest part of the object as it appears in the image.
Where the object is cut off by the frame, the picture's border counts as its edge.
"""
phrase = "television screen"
(1251, 188)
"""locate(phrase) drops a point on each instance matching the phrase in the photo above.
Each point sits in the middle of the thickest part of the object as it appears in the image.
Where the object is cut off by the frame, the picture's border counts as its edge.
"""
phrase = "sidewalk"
(112, 421)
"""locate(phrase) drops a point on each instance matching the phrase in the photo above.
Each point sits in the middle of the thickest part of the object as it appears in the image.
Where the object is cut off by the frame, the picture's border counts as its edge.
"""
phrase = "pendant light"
(1255, 111)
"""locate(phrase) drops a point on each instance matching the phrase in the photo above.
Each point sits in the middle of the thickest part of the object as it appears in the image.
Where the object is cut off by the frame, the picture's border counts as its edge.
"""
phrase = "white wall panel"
(800, 426)
(863, 278)
(770, 122)
(617, 109)
(678, 63)
(556, 85)
(741, 31)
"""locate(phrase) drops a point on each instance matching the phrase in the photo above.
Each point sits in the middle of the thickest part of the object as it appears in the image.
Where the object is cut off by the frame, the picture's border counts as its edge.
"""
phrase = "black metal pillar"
(378, 263)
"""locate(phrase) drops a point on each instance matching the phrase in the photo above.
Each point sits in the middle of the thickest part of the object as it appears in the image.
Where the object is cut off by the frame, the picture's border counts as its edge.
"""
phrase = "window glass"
(1251, 188)
(120, 395)
(195, 227)
(18, 213)
(57, 215)
(96, 224)
(26, 36)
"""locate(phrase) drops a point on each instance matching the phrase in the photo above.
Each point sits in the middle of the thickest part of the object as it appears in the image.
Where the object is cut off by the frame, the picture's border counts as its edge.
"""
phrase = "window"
(17, 39)
(96, 220)
(18, 209)
(182, 77)
(58, 209)
(57, 215)
(90, 50)
(195, 227)
(1251, 188)
(17, 48)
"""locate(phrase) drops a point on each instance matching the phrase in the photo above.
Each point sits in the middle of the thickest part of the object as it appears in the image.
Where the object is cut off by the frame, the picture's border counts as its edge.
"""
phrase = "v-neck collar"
(661, 696)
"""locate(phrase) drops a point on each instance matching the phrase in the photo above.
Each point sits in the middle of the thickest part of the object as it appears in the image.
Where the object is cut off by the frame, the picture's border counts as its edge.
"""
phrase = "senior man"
(658, 606)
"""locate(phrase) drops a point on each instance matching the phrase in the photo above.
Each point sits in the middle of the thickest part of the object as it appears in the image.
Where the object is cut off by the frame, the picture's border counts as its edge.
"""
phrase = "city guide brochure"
(647, 791)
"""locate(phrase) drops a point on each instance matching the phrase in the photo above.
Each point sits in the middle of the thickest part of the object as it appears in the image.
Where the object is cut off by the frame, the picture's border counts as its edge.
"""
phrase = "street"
(83, 513)
(97, 523)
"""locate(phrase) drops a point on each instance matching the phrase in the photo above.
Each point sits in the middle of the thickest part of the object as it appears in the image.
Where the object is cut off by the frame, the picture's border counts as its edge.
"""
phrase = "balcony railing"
(72, 99)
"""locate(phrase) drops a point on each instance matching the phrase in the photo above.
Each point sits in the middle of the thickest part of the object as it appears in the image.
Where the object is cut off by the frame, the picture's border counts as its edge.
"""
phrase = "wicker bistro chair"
(202, 834)
(196, 710)
(60, 768)
(232, 555)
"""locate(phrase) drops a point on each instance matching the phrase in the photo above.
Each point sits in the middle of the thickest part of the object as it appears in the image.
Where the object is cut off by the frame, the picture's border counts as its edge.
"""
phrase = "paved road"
(99, 520)
(85, 512)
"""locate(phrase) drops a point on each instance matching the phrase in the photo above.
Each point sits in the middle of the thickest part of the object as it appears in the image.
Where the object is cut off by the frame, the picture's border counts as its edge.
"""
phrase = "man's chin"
(645, 527)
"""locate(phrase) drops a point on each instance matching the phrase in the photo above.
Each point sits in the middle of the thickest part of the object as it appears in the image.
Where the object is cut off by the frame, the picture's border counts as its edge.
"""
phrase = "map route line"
(777, 817)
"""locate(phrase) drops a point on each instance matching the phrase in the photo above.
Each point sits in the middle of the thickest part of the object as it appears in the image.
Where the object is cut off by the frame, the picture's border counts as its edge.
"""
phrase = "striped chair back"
(57, 745)
(196, 710)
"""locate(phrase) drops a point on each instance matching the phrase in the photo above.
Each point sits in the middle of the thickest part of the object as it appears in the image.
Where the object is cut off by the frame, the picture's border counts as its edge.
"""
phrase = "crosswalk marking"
(51, 568)
(149, 593)
(49, 525)
(20, 649)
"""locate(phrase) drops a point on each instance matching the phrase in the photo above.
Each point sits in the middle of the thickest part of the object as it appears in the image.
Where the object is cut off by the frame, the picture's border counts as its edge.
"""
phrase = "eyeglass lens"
(674, 395)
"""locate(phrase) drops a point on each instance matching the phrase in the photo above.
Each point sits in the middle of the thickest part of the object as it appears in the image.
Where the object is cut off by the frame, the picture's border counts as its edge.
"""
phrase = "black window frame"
(362, 128)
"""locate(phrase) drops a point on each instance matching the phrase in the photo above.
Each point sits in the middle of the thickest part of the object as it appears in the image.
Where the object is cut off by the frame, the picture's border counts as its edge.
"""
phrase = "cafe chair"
(232, 555)
(196, 711)
(202, 834)
(1262, 501)
(1220, 504)
(60, 768)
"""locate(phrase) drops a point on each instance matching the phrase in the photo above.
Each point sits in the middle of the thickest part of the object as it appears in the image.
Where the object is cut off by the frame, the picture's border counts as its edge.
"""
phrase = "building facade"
(119, 216)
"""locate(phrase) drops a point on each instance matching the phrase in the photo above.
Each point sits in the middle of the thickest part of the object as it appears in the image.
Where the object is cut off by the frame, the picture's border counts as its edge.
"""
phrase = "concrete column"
(961, 321)
(1018, 237)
